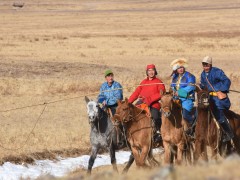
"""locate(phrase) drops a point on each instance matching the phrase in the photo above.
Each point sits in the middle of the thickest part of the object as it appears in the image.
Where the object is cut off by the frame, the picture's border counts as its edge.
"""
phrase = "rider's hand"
(104, 103)
(176, 93)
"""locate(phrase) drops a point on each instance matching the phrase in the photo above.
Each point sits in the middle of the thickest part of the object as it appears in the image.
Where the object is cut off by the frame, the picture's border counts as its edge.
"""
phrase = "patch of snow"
(58, 168)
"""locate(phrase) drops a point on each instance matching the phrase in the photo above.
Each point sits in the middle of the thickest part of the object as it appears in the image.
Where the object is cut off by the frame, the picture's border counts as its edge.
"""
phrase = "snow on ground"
(57, 168)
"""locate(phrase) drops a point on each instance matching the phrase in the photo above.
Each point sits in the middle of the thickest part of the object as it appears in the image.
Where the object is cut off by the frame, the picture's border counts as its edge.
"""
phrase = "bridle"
(96, 114)
(201, 99)
(129, 115)
(164, 109)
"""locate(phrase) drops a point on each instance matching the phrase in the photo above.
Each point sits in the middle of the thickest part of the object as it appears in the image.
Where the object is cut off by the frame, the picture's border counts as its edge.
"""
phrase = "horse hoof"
(88, 173)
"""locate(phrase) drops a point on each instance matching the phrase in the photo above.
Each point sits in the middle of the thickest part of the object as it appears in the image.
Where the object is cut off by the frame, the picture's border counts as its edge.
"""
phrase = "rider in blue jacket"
(110, 92)
(183, 85)
(215, 80)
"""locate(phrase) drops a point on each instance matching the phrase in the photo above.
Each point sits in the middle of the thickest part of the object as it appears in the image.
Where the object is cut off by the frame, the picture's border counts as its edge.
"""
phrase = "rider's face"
(151, 73)
(181, 70)
(109, 78)
(206, 67)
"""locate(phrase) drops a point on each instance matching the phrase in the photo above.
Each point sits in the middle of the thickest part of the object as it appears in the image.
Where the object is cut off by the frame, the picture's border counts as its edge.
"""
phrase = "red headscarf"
(150, 66)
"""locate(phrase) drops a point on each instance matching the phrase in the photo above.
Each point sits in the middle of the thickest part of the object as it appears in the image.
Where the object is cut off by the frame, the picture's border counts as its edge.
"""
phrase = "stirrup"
(157, 138)
(190, 132)
(226, 137)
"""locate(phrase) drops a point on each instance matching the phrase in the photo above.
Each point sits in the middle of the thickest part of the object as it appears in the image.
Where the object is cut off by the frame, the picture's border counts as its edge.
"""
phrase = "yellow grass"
(213, 170)
(51, 50)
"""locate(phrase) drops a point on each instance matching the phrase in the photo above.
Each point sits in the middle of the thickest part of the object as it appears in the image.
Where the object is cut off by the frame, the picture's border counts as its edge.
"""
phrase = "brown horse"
(138, 126)
(207, 132)
(172, 131)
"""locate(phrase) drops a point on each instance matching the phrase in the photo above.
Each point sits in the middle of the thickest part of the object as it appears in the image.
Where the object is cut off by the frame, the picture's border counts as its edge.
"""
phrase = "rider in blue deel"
(183, 85)
(215, 80)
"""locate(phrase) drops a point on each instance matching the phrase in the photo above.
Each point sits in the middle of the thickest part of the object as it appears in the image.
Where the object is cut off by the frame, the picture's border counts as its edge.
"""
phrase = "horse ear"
(119, 102)
(198, 88)
(116, 117)
(161, 92)
(170, 91)
(87, 99)
(126, 100)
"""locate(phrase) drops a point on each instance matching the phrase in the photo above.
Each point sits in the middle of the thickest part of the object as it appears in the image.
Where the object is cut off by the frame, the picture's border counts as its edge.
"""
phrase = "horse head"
(202, 98)
(123, 111)
(92, 110)
(166, 103)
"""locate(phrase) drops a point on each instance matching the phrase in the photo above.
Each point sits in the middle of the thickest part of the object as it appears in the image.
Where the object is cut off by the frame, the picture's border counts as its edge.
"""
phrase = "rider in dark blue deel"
(217, 82)
(183, 85)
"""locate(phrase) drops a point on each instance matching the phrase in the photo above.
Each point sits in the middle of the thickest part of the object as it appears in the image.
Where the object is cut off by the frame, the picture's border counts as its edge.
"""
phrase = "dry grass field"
(53, 50)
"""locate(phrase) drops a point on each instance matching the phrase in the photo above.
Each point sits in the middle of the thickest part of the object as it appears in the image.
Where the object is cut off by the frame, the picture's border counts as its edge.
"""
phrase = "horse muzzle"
(91, 119)
(167, 114)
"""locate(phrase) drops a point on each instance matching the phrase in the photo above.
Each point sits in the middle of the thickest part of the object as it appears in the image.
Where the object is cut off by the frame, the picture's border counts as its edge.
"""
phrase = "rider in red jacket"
(149, 92)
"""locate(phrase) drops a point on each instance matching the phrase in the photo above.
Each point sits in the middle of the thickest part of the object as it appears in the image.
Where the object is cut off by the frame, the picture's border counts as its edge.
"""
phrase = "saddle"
(145, 107)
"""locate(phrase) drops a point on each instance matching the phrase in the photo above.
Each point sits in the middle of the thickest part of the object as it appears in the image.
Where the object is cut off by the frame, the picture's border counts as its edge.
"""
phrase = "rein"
(164, 112)
(200, 99)
(188, 147)
(133, 118)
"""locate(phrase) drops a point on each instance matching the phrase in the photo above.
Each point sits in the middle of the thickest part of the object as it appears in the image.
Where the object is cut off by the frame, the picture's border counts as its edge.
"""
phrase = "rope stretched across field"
(65, 99)
(89, 94)
(28, 137)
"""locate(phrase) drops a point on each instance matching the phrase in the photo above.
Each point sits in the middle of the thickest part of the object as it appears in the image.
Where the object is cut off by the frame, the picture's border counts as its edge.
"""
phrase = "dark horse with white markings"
(207, 132)
(103, 133)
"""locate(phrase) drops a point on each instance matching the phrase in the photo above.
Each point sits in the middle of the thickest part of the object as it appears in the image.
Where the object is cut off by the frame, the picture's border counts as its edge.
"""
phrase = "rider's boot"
(228, 132)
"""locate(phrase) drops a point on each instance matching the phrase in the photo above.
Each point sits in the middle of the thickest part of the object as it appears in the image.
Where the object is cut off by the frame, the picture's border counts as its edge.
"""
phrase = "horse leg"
(167, 152)
(197, 151)
(143, 156)
(92, 159)
(188, 153)
(136, 155)
(180, 153)
(173, 153)
(130, 161)
(204, 151)
(236, 142)
(214, 152)
(113, 157)
(152, 161)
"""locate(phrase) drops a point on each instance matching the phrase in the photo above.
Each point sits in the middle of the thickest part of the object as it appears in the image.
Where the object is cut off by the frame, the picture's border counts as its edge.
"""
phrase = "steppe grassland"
(50, 51)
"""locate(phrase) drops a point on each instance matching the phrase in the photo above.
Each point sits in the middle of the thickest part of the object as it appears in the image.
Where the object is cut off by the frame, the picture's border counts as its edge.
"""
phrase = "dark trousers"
(113, 108)
(156, 116)
(219, 115)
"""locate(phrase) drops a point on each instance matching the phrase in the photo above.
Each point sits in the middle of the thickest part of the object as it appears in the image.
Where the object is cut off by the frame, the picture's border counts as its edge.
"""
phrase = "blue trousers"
(187, 115)
(218, 108)
(187, 106)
